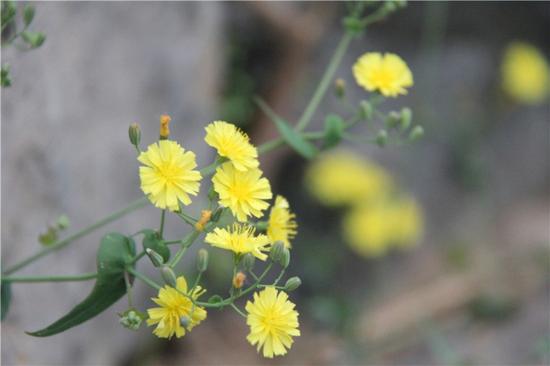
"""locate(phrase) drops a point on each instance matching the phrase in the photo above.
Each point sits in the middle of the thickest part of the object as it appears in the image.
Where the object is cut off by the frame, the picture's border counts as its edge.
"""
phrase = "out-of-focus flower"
(232, 143)
(525, 73)
(168, 176)
(239, 239)
(272, 321)
(343, 178)
(387, 73)
(281, 224)
(371, 229)
(243, 192)
(175, 309)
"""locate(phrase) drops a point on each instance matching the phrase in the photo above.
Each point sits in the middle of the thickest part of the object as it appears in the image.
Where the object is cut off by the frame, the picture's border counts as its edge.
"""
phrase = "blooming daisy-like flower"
(245, 193)
(281, 225)
(272, 321)
(175, 309)
(239, 239)
(168, 176)
(387, 73)
(233, 144)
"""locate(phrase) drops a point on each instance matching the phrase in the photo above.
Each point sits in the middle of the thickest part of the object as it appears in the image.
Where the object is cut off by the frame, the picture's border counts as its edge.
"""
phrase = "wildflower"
(165, 126)
(371, 229)
(343, 178)
(245, 193)
(240, 239)
(175, 306)
(525, 73)
(387, 73)
(272, 321)
(232, 143)
(168, 176)
(281, 225)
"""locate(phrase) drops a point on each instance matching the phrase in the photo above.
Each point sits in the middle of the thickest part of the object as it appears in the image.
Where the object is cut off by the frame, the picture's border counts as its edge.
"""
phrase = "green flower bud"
(217, 214)
(62, 222)
(382, 138)
(416, 133)
(154, 257)
(277, 250)
(262, 226)
(293, 283)
(131, 319)
(285, 258)
(406, 118)
(202, 260)
(334, 126)
(340, 87)
(366, 109)
(248, 261)
(168, 275)
(393, 120)
(134, 132)
(185, 321)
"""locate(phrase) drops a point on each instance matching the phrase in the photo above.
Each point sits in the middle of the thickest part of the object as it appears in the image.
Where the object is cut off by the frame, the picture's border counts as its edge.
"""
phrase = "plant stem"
(237, 310)
(162, 216)
(325, 82)
(185, 243)
(62, 243)
(144, 278)
(128, 288)
(82, 277)
(279, 277)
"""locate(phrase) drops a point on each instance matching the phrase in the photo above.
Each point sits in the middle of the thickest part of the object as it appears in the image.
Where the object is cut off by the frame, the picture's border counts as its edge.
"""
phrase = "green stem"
(138, 257)
(185, 243)
(82, 277)
(325, 82)
(162, 216)
(238, 310)
(279, 277)
(62, 243)
(144, 278)
(128, 288)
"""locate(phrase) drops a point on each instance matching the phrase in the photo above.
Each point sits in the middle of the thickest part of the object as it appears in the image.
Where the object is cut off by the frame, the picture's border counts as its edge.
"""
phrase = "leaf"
(334, 126)
(33, 39)
(28, 14)
(8, 12)
(215, 299)
(116, 251)
(293, 138)
(5, 79)
(5, 289)
(152, 240)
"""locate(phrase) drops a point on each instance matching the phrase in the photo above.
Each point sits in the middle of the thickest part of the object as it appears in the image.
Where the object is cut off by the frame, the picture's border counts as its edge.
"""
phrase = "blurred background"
(445, 260)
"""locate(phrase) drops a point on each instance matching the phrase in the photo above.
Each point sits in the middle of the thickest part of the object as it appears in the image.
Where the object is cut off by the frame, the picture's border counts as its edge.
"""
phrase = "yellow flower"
(281, 225)
(245, 193)
(525, 73)
(167, 176)
(387, 73)
(239, 239)
(343, 178)
(233, 144)
(272, 321)
(175, 309)
(371, 229)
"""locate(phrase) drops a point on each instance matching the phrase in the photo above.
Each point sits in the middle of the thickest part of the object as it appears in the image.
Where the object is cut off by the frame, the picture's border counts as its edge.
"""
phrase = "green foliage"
(28, 14)
(116, 252)
(5, 79)
(33, 39)
(153, 241)
(334, 126)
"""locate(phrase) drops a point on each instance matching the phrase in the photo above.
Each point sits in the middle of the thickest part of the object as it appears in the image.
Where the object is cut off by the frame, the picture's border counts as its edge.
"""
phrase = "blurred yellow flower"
(240, 239)
(175, 309)
(525, 73)
(232, 143)
(343, 178)
(387, 73)
(168, 176)
(372, 229)
(272, 321)
(281, 224)
(245, 193)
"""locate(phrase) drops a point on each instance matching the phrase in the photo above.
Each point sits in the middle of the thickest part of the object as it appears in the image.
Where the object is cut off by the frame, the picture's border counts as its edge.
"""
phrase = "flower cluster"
(169, 177)
(378, 216)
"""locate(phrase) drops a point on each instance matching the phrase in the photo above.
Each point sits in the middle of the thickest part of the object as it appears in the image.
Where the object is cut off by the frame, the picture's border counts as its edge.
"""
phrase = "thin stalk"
(185, 243)
(62, 243)
(239, 311)
(82, 277)
(279, 277)
(128, 288)
(144, 278)
(162, 217)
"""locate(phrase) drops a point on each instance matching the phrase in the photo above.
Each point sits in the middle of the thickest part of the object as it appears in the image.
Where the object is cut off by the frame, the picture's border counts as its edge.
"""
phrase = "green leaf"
(152, 240)
(5, 289)
(334, 126)
(116, 251)
(28, 14)
(215, 299)
(8, 13)
(293, 138)
(5, 79)
(33, 39)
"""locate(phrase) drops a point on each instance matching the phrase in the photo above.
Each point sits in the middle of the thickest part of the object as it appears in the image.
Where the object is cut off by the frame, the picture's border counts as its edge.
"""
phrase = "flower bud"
(393, 119)
(416, 133)
(262, 226)
(185, 321)
(168, 275)
(366, 109)
(134, 133)
(406, 118)
(340, 87)
(202, 260)
(285, 258)
(293, 283)
(164, 126)
(131, 319)
(276, 251)
(248, 261)
(382, 138)
(238, 280)
(154, 257)
(203, 220)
